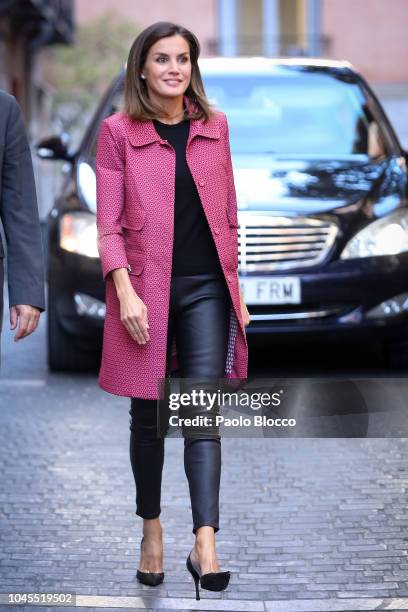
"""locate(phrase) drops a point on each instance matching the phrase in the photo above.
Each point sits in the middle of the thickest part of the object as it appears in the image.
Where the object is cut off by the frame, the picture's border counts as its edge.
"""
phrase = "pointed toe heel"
(215, 581)
(149, 578)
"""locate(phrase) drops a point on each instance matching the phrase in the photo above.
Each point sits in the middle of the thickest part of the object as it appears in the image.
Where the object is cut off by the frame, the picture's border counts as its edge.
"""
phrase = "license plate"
(267, 290)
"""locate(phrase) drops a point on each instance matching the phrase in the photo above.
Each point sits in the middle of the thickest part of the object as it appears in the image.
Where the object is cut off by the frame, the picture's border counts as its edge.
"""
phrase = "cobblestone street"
(306, 524)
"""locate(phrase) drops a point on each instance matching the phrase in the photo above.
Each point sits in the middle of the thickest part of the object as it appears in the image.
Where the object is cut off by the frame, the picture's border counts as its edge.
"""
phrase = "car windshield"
(290, 113)
(296, 113)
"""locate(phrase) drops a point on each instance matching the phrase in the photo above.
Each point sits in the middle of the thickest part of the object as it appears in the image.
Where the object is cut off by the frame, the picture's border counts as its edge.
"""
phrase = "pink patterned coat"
(135, 172)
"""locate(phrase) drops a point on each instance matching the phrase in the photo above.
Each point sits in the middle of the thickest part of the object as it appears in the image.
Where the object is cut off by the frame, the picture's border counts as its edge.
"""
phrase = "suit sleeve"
(20, 218)
(110, 201)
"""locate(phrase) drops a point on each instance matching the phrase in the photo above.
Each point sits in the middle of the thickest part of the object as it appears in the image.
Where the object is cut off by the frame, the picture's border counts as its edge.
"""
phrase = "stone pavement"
(318, 521)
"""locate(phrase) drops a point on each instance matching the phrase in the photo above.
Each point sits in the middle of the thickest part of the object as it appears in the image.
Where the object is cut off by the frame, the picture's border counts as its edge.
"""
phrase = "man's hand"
(27, 318)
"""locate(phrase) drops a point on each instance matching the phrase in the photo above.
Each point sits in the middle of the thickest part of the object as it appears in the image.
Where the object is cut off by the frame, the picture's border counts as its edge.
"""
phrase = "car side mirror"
(54, 147)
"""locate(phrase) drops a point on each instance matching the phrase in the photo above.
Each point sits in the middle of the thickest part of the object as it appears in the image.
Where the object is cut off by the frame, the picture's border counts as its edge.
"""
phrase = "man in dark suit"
(21, 224)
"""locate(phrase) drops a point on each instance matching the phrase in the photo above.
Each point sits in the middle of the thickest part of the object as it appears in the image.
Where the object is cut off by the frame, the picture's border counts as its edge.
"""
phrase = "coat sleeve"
(19, 216)
(232, 198)
(232, 208)
(110, 193)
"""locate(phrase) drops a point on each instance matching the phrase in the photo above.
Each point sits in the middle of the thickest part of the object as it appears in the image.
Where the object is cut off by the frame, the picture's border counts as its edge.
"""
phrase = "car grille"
(268, 243)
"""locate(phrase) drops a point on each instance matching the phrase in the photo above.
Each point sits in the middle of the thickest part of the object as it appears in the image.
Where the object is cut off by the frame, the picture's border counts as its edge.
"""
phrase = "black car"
(321, 183)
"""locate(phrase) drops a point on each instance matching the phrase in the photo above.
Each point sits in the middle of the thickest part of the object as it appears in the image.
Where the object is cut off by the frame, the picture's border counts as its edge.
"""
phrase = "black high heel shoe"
(149, 578)
(212, 581)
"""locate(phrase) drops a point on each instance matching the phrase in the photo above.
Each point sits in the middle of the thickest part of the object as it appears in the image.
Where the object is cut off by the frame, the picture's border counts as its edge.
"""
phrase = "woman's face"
(167, 67)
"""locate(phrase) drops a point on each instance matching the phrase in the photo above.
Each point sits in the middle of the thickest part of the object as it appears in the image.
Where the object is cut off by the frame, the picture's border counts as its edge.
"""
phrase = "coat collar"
(143, 132)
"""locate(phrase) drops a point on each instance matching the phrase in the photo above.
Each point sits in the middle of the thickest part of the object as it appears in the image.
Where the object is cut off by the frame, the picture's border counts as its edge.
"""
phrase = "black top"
(194, 250)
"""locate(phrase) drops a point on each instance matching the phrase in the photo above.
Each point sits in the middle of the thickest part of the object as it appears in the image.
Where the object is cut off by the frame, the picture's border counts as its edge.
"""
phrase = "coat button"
(201, 182)
(216, 230)
(163, 141)
(229, 278)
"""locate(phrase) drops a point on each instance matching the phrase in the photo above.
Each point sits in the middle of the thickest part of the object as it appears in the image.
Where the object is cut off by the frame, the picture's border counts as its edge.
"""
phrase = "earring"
(142, 76)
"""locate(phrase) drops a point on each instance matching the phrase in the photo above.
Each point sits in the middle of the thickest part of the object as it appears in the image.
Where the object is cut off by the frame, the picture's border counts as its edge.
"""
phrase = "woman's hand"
(244, 310)
(245, 314)
(133, 311)
(133, 314)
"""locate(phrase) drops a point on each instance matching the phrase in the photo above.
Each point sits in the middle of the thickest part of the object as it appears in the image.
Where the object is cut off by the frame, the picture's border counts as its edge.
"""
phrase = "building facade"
(371, 35)
(27, 28)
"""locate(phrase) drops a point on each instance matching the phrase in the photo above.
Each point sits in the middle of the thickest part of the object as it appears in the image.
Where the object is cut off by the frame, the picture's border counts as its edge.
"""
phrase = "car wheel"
(63, 353)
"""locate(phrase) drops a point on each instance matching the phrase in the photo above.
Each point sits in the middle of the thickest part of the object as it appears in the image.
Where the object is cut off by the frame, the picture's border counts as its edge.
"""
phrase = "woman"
(167, 239)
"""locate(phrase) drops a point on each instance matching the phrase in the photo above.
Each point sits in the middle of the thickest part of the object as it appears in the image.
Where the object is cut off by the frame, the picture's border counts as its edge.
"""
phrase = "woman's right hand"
(133, 314)
(133, 311)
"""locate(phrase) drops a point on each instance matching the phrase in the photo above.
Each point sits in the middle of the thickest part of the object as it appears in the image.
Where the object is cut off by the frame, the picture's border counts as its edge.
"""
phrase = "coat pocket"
(234, 240)
(136, 261)
(134, 219)
(132, 229)
(232, 218)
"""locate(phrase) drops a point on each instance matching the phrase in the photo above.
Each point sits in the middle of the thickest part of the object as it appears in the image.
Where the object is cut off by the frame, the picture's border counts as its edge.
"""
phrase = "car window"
(296, 114)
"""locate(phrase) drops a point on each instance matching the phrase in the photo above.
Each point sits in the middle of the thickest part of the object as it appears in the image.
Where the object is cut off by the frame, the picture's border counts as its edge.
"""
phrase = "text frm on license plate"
(277, 290)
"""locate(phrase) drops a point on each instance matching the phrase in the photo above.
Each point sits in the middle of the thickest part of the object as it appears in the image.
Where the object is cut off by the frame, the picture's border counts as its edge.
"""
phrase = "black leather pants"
(198, 316)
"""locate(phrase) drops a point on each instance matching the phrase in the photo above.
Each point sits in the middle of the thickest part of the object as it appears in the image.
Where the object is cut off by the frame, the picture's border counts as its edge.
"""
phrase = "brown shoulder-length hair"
(137, 103)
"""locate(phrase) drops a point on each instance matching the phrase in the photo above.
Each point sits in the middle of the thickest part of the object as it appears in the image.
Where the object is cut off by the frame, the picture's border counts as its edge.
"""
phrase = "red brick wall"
(371, 34)
(200, 16)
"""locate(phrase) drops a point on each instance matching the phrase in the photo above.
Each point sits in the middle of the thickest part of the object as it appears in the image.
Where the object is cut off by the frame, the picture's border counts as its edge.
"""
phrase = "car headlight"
(78, 233)
(386, 236)
(86, 180)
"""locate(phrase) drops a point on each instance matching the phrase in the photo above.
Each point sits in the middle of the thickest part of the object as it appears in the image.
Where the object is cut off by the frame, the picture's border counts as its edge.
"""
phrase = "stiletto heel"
(212, 581)
(149, 578)
(194, 575)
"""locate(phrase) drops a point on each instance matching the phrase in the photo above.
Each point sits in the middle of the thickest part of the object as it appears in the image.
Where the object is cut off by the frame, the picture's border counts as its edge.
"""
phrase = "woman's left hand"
(245, 314)
(244, 310)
